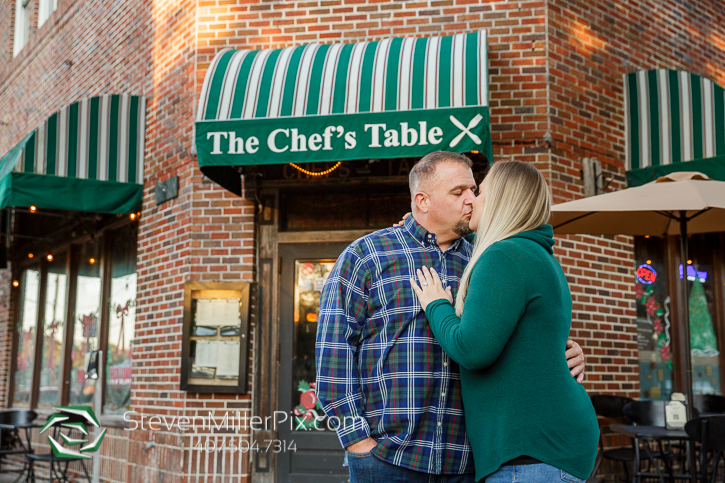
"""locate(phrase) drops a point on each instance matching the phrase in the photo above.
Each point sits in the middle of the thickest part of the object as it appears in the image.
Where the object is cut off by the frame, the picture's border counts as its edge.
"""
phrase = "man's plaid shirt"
(380, 371)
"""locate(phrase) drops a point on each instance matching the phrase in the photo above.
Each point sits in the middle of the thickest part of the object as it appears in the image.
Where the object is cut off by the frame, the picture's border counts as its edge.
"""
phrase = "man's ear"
(422, 201)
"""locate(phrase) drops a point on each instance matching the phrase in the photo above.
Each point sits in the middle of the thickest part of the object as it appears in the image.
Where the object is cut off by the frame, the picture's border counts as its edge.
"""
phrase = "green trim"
(341, 79)
(719, 125)
(113, 138)
(93, 139)
(366, 76)
(61, 193)
(471, 66)
(315, 84)
(265, 89)
(675, 117)
(215, 91)
(51, 136)
(633, 120)
(713, 167)
(29, 156)
(654, 118)
(290, 83)
(444, 72)
(72, 155)
(391, 75)
(133, 140)
(240, 89)
(417, 91)
(698, 132)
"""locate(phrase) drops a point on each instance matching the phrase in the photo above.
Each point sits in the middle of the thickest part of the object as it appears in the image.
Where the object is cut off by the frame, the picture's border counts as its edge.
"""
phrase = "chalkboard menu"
(215, 340)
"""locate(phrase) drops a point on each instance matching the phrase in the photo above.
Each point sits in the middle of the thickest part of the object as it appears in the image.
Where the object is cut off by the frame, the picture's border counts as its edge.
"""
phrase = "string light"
(92, 261)
(320, 173)
(33, 209)
(132, 216)
(646, 236)
(30, 255)
(649, 262)
(689, 262)
(50, 257)
(16, 283)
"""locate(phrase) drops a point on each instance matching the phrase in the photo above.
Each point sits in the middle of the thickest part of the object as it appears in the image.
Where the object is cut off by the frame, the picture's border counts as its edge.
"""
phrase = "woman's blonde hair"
(517, 200)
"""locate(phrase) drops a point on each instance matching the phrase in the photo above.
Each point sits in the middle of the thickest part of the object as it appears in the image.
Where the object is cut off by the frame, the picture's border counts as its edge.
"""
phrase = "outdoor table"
(28, 444)
(659, 434)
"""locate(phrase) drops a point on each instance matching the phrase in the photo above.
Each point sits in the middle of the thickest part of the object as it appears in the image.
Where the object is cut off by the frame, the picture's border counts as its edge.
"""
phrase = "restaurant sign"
(368, 135)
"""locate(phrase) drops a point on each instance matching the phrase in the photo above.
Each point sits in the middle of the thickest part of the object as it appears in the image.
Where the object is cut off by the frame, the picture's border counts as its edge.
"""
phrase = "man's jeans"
(366, 468)
(541, 473)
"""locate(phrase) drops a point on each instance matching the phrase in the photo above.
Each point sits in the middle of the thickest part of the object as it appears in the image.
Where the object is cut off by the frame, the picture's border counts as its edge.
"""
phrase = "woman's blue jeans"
(541, 473)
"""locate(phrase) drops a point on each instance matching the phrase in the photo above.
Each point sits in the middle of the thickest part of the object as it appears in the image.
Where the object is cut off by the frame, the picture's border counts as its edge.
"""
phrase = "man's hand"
(575, 359)
(402, 222)
(363, 446)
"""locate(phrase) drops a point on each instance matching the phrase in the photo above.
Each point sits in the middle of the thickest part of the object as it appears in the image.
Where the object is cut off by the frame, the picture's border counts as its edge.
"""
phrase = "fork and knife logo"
(466, 130)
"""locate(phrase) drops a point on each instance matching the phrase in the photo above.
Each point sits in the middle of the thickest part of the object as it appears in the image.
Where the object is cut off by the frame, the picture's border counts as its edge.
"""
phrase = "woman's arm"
(495, 303)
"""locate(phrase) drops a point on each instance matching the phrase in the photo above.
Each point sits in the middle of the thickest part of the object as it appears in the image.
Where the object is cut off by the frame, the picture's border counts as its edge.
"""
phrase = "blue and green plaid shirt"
(380, 371)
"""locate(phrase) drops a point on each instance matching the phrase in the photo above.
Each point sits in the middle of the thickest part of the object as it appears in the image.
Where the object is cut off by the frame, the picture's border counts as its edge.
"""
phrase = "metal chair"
(58, 466)
(709, 432)
(710, 404)
(612, 407)
(12, 422)
(652, 413)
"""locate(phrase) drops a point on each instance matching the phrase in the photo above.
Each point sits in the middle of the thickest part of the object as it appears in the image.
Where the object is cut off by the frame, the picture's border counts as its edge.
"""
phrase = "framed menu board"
(215, 348)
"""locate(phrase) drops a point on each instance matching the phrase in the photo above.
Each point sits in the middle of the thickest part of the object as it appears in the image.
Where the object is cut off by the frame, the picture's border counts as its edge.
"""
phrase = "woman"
(527, 419)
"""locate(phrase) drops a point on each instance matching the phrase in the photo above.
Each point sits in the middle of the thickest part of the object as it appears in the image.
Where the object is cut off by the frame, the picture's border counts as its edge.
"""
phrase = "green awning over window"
(400, 97)
(672, 117)
(713, 167)
(86, 157)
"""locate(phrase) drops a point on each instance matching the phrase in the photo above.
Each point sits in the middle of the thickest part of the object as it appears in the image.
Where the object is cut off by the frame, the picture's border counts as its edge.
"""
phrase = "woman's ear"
(422, 202)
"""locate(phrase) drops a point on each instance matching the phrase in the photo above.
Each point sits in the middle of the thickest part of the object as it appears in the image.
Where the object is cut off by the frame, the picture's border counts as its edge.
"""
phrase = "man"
(380, 372)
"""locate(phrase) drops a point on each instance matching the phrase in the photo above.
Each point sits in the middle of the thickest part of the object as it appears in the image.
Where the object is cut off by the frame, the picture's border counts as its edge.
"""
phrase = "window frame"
(72, 263)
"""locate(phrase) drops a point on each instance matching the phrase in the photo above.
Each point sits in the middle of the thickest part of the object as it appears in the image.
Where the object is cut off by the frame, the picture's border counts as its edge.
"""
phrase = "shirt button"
(445, 364)
(443, 394)
(440, 424)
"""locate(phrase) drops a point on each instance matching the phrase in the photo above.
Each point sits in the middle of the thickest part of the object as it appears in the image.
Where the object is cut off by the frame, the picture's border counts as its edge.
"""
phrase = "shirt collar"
(424, 237)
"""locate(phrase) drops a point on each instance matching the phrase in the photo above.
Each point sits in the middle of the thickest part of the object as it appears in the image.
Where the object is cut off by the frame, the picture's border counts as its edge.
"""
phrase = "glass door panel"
(86, 328)
(122, 318)
(56, 295)
(704, 346)
(654, 318)
(310, 276)
(26, 330)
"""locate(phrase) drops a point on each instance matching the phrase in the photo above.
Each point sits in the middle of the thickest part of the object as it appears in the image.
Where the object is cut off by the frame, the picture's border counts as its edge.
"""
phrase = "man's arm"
(343, 312)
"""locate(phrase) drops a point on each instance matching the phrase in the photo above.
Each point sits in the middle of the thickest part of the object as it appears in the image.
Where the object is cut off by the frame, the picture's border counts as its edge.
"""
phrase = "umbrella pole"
(685, 354)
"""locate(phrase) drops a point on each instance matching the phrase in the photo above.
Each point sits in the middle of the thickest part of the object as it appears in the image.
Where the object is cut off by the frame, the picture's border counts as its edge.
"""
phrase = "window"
(56, 294)
(657, 322)
(119, 352)
(86, 335)
(61, 311)
(45, 8)
(22, 25)
(26, 337)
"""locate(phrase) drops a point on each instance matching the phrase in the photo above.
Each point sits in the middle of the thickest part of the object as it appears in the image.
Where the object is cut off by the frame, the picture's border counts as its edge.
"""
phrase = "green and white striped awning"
(86, 157)
(398, 97)
(672, 117)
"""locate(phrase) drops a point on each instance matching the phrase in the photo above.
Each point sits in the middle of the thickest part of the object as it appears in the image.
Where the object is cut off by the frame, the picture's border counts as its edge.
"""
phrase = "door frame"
(327, 443)
(265, 398)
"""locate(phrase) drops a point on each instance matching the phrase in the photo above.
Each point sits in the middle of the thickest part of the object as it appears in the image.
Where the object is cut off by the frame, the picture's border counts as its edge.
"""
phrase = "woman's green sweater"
(519, 397)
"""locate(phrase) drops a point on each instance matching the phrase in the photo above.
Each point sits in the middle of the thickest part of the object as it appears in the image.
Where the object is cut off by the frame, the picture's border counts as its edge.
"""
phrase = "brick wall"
(6, 335)
(555, 98)
(591, 46)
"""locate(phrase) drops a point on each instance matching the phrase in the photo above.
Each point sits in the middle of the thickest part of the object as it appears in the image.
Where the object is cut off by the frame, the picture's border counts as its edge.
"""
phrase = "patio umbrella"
(676, 204)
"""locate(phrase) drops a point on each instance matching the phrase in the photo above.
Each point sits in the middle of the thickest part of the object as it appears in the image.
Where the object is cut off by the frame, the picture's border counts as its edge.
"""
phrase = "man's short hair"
(426, 167)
